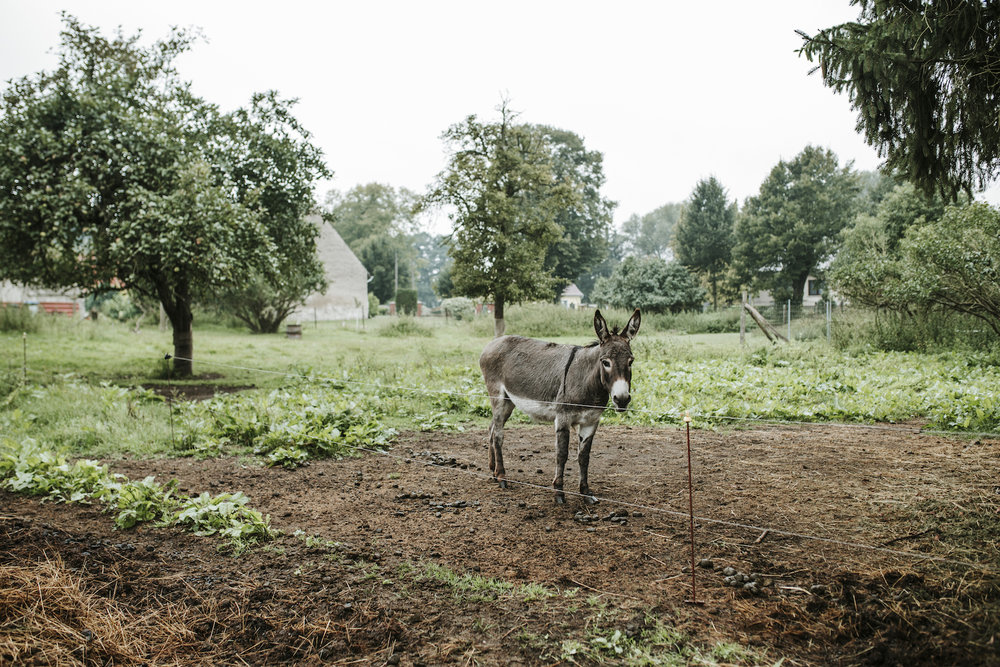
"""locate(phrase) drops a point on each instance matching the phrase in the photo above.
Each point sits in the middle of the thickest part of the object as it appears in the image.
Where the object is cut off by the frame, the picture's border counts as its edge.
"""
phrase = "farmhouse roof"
(572, 290)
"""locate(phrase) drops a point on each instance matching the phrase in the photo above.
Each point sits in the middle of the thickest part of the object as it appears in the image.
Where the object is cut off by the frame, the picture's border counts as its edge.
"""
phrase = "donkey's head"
(616, 358)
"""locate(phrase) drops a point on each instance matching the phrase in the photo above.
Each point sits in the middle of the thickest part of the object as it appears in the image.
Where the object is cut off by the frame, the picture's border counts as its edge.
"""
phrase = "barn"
(346, 296)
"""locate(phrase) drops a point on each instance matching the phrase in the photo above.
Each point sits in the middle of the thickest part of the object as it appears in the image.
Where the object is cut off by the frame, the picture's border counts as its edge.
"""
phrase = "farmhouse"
(812, 293)
(346, 297)
(571, 297)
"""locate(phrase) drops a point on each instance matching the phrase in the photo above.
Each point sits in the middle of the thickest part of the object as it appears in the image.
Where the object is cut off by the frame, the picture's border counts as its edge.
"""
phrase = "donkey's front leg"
(586, 440)
(562, 453)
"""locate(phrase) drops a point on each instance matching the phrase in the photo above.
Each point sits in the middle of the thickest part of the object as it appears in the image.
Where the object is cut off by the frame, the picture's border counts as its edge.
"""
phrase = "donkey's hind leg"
(502, 407)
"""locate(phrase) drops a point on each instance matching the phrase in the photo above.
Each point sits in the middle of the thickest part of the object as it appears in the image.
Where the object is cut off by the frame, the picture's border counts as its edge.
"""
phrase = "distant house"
(812, 293)
(571, 297)
(346, 297)
(41, 299)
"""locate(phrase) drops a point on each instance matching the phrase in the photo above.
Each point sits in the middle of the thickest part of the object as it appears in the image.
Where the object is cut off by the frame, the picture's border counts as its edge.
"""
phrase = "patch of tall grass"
(19, 319)
(404, 327)
(547, 320)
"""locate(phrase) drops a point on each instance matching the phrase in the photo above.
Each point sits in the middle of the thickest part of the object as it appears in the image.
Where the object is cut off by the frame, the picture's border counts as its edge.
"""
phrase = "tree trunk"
(498, 323)
(798, 287)
(183, 350)
(178, 309)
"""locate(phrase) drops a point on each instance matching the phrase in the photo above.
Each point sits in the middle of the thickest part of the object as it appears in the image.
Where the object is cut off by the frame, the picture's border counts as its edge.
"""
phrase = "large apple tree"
(111, 178)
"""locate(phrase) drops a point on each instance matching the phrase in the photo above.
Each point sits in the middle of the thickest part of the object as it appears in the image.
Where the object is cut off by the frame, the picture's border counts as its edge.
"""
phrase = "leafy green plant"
(287, 426)
(287, 457)
(144, 501)
(654, 643)
(32, 470)
(227, 516)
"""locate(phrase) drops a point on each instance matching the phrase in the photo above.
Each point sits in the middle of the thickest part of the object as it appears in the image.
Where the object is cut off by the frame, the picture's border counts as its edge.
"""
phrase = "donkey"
(565, 384)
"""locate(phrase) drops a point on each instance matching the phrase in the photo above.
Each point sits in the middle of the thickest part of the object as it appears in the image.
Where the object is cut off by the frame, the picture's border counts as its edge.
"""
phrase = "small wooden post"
(687, 424)
(24, 362)
(170, 400)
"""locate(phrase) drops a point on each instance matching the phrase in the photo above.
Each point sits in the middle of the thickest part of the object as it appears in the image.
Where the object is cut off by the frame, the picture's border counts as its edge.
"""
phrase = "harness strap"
(569, 362)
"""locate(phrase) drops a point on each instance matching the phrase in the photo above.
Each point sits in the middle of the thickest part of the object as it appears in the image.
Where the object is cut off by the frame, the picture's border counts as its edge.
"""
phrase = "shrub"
(651, 284)
(406, 302)
(459, 307)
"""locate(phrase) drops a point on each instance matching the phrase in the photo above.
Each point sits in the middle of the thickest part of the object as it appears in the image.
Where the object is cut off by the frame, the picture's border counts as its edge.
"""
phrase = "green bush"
(372, 305)
(119, 306)
(459, 307)
(406, 302)
(650, 284)
(930, 330)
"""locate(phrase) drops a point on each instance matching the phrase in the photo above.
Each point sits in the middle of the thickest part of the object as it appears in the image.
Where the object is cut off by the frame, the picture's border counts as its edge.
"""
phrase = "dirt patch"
(194, 392)
(362, 587)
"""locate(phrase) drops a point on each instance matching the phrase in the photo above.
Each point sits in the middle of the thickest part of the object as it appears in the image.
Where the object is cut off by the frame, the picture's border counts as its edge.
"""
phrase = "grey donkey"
(566, 384)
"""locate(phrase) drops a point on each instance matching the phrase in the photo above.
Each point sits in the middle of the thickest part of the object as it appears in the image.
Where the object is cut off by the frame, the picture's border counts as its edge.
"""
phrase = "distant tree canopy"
(376, 221)
(925, 80)
(273, 164)
(652, 284)
(703, 238)
(652, 234)
(111, 177)
(506, 197)
(867, 269)
(586, 221)
(431, 262)
(786, 231)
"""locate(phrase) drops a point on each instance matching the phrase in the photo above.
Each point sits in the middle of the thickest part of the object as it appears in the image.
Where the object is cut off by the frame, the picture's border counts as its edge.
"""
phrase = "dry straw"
(48, 615)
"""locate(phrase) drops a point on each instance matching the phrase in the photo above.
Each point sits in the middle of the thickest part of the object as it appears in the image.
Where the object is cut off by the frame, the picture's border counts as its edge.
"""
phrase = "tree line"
(115, 176)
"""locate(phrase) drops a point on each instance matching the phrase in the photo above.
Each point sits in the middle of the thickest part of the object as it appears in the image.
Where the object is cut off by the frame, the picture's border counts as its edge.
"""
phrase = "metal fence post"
(743, 319)
(829, 316)
(789, 320)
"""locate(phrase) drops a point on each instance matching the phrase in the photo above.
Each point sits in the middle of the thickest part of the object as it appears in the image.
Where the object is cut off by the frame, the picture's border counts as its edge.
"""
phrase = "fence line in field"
(611, 501)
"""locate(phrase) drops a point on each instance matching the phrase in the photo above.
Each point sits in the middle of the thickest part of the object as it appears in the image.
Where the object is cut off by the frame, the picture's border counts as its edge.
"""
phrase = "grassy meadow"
(96, 388)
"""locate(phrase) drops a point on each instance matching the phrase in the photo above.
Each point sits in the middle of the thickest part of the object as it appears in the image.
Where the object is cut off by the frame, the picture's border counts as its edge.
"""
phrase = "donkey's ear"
(600, 326)
(632, 328)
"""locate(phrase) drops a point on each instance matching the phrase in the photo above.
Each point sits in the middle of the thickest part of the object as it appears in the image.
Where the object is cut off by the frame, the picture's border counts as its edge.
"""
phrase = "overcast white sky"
(669, 92)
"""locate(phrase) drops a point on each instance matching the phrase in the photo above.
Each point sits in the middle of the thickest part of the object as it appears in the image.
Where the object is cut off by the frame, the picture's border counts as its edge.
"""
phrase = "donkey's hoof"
(502, 482)
(590, 499)
(560, 499)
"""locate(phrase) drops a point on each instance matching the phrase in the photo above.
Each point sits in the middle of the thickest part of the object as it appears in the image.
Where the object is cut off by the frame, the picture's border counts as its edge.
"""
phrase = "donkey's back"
(527, 371)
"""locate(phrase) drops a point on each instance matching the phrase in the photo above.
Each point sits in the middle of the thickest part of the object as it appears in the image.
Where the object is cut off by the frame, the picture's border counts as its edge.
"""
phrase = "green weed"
(227, 516)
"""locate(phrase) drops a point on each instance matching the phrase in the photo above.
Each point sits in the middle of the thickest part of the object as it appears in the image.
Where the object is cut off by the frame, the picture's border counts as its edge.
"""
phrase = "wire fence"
(912, 555)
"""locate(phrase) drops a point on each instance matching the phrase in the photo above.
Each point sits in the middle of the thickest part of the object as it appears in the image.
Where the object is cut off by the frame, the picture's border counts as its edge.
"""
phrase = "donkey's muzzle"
(621, 402)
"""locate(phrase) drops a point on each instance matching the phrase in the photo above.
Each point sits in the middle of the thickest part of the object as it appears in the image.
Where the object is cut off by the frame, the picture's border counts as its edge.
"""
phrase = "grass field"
(87, 387)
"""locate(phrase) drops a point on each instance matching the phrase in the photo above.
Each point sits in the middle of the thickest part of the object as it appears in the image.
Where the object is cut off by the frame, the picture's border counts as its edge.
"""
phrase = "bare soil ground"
(362, 591)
